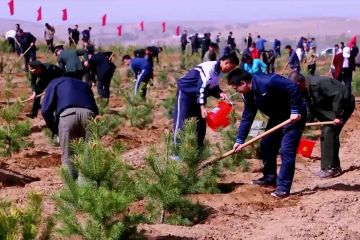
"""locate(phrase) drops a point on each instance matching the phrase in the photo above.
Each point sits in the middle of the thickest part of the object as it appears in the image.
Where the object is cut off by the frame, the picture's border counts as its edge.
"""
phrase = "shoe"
(175, 158)
(280, 194)
(263, 182)
(30, 115)
(329, 173)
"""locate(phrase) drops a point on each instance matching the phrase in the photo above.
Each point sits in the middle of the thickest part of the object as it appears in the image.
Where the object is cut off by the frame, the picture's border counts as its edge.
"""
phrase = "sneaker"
(175, 158)
(280, 194)
(263, 182)
(330, 173)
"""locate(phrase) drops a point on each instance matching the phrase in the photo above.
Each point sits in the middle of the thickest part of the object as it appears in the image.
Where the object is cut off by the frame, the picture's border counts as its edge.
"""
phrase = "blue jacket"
(101, 65)
(63, 93)
(260, 44)
(277, 44)
(140, 64)
(257, 66)
(202, 81)
(294, 61)
(275, 96)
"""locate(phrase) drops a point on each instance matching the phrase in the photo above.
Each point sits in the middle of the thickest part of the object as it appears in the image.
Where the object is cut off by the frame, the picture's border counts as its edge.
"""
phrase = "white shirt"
(10, 34)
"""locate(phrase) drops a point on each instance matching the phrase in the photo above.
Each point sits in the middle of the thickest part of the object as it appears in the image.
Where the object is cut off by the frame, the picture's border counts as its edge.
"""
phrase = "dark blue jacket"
(63, 93)
(25, 41)
(275, 96)
(294, 61)
(140, 64)
(101, 65)
(202, 81)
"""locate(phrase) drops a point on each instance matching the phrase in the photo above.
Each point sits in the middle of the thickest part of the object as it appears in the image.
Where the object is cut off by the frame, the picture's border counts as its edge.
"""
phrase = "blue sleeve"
(247, 119)
(248, 68)
(48, 108)
(286, 87)
(263, 67)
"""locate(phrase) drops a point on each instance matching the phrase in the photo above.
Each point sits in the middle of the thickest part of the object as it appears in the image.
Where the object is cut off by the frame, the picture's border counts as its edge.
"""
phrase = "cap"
(34, 64)
(58, 47)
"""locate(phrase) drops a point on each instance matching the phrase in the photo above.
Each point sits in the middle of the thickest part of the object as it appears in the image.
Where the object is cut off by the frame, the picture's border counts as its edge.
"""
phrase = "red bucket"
(306, 147)
(218, 117)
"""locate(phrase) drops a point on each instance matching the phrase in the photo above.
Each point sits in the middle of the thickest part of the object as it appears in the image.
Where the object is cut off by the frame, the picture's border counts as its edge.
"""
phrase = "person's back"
(69, 60)
(101, 64)
(75, 34)
(65, 92)
(140, 64)
(260, 44)
(256, 67)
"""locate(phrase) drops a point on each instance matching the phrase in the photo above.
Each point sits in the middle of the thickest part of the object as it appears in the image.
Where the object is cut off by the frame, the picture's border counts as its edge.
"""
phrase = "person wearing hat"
(69, 61)
(41, 75)
(27, 47)
(327, 101)
(67, 108)
(280, 99)
(253, 66)
(100, 64)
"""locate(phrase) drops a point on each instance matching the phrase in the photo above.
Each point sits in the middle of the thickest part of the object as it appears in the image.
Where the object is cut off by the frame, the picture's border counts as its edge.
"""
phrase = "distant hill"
(326, 30)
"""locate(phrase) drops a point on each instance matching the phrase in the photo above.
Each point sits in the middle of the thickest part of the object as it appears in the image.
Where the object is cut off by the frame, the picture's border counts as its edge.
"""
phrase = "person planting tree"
(193, 90)
(280, 99)
(327, 99)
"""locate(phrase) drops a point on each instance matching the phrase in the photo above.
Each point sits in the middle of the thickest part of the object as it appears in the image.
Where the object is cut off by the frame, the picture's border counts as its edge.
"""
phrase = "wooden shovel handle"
(251, 141)
(320, 123)
(29, 99)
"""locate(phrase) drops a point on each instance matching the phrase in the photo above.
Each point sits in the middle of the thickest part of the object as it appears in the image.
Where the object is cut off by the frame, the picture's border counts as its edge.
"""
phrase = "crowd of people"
(69, 102)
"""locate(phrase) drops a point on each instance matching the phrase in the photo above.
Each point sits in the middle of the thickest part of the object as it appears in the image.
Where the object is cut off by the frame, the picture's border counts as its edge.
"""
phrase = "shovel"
(319, 123)
(251, 141)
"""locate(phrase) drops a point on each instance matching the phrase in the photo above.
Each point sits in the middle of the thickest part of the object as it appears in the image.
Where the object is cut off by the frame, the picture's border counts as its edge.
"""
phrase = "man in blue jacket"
(293, 59)
(142, 70)
(193, 90)
(260, 44)
(280, 99)
(67, 107)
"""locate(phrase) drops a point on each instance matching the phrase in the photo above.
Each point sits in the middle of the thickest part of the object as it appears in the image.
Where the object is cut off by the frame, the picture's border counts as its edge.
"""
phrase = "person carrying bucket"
(327, 100)
(280, 99)
(194, 88)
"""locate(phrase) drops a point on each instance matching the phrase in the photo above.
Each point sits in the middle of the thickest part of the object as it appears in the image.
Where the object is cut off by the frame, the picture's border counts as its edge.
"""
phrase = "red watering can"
(218, 117)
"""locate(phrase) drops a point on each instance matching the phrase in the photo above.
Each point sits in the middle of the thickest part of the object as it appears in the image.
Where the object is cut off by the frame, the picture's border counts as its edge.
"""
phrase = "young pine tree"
(96, 206)
(16, 223)
(13, 132)
(138, 111)
(228, 136)
(165, 182)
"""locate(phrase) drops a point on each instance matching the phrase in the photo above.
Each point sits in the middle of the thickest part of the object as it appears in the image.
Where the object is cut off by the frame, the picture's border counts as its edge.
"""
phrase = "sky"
(133, 11)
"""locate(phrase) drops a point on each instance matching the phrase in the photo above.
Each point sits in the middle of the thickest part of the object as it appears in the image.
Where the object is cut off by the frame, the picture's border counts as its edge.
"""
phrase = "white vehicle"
(327, 52)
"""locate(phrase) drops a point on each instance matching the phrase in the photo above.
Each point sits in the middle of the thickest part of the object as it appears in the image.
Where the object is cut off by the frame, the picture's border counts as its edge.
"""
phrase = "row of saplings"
(109, 199)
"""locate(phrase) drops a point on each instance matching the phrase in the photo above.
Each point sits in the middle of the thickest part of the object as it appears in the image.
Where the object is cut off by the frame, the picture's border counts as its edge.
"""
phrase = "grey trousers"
(72, 125)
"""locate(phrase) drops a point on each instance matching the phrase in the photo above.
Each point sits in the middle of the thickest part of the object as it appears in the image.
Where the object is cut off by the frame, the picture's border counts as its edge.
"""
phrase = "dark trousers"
(30, 55)
(141, 83)
(50, 44)
(103, 84)
(286, 142)
(40, 88)
(11, 42)
(72, 125)
(185, 108)
(311, 69)
(277, 53)
(203, 51)
(183, 48)
(194, 49)
(330, 142)
(346, 77)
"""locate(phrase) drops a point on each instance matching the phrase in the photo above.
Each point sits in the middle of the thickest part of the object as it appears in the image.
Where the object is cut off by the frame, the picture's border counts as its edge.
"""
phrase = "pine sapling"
(96, 206)
(13, 133)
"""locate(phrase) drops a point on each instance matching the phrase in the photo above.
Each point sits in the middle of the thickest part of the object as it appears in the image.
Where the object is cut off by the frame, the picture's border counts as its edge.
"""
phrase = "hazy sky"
(124, 11)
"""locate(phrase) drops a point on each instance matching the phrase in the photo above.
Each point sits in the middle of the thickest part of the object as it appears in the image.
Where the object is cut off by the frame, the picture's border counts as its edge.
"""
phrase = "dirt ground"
(317, 209)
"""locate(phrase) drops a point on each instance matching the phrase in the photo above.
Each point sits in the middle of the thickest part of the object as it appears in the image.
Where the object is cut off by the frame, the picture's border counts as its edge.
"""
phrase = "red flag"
(178, 31)
(64, 14)
(352, 41)
(11, 6)
(163, 26)
(103, 20)
(39, 14)
(119, 28)
(142, 26)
